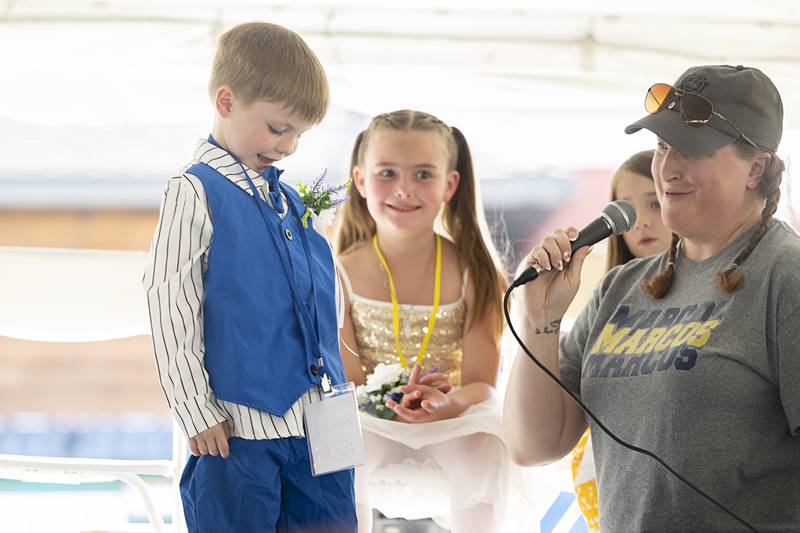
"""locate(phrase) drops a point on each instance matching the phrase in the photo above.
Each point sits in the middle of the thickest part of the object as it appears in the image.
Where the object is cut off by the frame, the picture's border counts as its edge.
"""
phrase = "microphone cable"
(603, 426)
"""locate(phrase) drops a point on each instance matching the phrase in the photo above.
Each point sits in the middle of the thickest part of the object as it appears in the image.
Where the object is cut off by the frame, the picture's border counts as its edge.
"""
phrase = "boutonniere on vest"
(321, 202)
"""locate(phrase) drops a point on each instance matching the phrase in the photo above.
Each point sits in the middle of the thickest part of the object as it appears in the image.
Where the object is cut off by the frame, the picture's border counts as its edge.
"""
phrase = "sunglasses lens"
(695, 110)
(656, 96)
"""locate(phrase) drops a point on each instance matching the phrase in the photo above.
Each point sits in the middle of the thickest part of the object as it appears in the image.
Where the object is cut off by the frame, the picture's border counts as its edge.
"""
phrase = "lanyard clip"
(326, 383)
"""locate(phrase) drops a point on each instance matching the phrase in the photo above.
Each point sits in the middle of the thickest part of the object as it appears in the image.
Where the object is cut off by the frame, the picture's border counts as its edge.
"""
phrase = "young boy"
(242, 304)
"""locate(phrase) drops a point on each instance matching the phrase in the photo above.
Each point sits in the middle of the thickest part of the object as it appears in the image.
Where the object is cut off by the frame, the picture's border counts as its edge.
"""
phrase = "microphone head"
(621, 216)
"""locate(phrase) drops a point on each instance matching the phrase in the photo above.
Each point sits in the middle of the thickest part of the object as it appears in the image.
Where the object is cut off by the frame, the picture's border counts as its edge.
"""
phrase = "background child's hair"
(730, 279)
(639, 163)
(462, 217)
(266, 62)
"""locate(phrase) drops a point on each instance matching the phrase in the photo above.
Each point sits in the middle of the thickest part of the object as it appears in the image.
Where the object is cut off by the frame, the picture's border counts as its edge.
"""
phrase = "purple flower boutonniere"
(321, 202)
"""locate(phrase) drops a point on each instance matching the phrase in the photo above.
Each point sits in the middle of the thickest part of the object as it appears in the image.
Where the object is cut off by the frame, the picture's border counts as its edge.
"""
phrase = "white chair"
(76, 295)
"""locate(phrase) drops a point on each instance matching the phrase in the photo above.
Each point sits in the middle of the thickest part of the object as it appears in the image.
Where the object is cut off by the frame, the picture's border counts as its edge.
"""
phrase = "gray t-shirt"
(708, 381)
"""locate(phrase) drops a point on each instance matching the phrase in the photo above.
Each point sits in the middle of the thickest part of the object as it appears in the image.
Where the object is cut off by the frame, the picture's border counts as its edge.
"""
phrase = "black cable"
(602, 426)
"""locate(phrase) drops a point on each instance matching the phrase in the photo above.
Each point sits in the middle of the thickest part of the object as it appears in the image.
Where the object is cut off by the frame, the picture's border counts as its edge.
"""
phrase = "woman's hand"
(547, 298)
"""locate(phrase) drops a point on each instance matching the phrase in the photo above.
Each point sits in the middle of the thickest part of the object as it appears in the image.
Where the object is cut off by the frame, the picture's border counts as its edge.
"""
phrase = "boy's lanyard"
(437, 278)
(309, 328)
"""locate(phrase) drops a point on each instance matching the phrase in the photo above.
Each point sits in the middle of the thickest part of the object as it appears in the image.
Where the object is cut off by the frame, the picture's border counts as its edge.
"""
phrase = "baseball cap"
(743, 95)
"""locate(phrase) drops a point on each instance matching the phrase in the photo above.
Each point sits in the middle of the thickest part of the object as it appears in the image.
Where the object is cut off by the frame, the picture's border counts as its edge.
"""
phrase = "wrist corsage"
(383, 384)
(321, 202)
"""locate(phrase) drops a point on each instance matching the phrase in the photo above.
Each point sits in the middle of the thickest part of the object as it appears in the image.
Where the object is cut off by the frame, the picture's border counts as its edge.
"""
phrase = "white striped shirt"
(173, 280)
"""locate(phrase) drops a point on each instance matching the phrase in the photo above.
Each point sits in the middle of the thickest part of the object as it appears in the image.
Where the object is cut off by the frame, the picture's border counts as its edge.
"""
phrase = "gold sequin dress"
(372, 322)
(421, 469)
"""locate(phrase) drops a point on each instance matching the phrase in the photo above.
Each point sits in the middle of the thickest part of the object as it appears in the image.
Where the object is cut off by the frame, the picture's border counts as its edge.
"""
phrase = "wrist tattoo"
(552, 327)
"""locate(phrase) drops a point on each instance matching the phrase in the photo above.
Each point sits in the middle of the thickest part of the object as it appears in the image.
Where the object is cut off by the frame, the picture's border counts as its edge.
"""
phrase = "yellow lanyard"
(437, 278)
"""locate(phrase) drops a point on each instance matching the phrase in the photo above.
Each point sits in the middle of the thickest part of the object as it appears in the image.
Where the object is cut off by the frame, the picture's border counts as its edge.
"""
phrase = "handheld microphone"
(617, 218)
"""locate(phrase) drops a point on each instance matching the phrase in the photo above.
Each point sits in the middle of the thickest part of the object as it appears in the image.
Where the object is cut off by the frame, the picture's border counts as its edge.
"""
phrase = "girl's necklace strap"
(437, 286)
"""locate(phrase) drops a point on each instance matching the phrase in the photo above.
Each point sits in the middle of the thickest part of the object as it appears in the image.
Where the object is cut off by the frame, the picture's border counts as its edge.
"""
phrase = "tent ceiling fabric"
(117, 90)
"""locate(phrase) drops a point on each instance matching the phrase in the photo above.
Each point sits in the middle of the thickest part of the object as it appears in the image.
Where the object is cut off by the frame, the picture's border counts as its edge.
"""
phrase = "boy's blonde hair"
(462, 217)
(260, 61)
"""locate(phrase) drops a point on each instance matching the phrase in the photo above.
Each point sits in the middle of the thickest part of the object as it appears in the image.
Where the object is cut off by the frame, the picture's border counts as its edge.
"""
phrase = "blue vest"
(270, 307)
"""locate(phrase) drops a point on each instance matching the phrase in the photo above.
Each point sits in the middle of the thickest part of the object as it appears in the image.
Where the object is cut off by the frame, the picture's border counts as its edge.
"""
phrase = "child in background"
(242, 303)
(632, 182)
(410, 172)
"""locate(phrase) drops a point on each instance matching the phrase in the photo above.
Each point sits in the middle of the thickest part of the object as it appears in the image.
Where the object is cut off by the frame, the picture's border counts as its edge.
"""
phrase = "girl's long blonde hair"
(462, 216)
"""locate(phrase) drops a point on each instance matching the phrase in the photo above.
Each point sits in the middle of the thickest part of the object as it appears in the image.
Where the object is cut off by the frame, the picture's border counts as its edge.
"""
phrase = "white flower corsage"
(321, 202)
(383, 384)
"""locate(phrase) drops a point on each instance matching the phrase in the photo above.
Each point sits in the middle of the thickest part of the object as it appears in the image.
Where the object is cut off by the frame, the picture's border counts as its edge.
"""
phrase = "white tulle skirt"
(437, 469)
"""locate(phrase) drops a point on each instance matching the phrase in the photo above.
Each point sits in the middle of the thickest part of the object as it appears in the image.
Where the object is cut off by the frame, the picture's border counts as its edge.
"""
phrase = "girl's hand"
(432, 404)
(547, 298)
(436, 380)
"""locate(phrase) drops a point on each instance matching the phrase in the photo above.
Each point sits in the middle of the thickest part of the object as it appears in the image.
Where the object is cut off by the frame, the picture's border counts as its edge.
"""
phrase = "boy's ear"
(358, 181)
(453, 179)
(223, 101)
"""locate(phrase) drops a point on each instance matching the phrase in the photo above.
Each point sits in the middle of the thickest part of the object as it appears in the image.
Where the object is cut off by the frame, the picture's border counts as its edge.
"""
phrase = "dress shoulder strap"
(345, 278)
(464, 282)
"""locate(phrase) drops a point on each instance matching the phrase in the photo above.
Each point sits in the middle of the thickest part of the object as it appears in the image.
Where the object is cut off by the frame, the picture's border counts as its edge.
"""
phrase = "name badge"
(333, 430)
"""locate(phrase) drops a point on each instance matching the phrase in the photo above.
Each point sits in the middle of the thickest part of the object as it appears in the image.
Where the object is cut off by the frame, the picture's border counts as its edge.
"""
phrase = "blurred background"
(102, 101)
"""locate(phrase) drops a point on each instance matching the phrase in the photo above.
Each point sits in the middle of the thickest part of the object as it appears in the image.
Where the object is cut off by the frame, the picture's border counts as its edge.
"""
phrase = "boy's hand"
(212, 441)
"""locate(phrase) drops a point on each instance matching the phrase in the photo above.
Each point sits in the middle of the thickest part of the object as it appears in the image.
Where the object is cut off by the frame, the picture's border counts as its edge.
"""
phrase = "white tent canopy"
(113, 94)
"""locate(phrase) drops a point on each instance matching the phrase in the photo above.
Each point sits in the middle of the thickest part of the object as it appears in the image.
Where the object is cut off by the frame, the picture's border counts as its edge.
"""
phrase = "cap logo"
(693, 83)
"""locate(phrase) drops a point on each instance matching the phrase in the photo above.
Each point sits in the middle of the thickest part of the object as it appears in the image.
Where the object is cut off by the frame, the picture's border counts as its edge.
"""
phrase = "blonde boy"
(241, 297)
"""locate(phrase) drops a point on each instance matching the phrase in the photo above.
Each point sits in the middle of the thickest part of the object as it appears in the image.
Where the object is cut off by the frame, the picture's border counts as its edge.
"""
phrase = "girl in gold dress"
(424, 287)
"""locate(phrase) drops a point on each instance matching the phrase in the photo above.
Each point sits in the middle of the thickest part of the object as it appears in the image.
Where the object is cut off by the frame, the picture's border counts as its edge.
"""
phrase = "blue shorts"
(266, 486)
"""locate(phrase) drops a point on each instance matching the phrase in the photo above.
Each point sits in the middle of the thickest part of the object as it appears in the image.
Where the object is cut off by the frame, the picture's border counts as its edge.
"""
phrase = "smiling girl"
(424, 287)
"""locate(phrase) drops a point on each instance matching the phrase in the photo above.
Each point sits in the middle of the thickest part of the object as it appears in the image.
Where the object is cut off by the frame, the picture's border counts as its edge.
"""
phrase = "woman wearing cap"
(691, 354)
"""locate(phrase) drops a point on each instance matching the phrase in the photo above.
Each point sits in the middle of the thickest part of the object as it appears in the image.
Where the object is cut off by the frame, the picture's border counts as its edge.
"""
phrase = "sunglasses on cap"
(695, 109)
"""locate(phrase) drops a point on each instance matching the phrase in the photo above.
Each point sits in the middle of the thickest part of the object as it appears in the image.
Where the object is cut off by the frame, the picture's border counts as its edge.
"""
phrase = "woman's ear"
(223, 101)
(453, 179)
(358, 181)
(757, 168)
